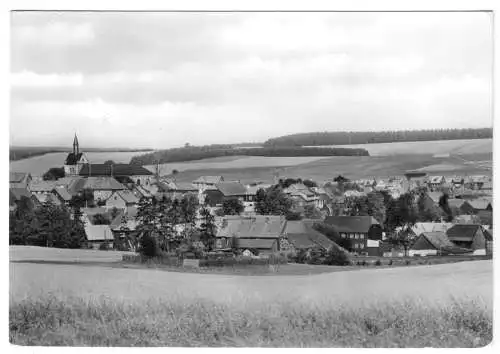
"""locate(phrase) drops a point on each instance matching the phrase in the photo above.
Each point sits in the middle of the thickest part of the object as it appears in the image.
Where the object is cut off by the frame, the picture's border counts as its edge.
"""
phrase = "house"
(359, 229)
(300, 234)
(467, 219)
(204, 182)
(125, 172)
(62, 194)
(225, 191)
(141, 192)
(19, 180)
(434, 244)
(468, 236)
(261, 233)
(435, 182)
(73, 184)
(103, 187)
(475, 182)
(75, 160)
(485, 217)
(97, 235)
(487, 186)
(42, 187)
(122, 199)
(460, 206)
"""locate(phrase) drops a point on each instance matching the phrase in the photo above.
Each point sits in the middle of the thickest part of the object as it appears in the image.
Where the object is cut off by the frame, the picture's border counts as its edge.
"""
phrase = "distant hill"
(347, 138)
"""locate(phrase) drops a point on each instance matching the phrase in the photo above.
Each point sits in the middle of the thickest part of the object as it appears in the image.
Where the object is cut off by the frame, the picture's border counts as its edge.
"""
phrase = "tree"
(311, 212)
(309, 183)
(232, 207)
(443, 203)
(340, 179)
(53, 174)
(272, 202)
(293, 215)
(114, 212)
(100, 219)
(109, 162)
(207, 228)
(188, 209)
(84, 199)
(402, 213)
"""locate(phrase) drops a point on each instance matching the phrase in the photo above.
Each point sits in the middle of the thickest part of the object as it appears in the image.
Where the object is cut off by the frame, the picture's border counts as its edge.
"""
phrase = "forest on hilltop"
(346, 138)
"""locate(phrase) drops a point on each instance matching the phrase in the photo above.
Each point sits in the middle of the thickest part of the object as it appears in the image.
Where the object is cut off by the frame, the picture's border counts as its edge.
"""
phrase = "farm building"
(62, 194)
(103, 187)
(359, 230)
(41, 187)
(424, 227)
(481, 204)
(433, 244)
(300, 234)
(225, 191)
(468, 236)
(122, 199)
(260, 233)
(97, 235)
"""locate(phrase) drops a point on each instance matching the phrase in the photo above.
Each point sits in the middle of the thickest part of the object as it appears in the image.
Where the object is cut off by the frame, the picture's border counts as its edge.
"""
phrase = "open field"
(38, 165)
(236, 162)
(61, 304)
(349, 166)
(470, 146)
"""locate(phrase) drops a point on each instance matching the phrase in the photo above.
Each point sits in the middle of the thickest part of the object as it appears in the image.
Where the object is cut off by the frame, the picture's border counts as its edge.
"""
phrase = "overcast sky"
(164, 79)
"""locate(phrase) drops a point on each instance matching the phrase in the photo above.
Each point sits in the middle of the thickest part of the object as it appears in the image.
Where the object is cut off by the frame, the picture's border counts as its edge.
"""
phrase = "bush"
(103, 246)
(335, 256)
(378, 262)
(390, 262)
(363, 263)
(148, 246)
(408, 262)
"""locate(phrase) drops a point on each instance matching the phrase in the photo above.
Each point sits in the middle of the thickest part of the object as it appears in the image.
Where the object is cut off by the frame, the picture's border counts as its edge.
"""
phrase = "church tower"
(75, 160)
(76, 147)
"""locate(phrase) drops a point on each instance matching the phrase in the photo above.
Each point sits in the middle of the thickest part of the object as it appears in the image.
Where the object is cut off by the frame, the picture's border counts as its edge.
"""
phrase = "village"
(460, 223)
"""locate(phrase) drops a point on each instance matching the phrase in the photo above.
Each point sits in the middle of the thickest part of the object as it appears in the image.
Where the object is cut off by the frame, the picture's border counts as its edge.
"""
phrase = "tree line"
(346, 138)
(191, 153)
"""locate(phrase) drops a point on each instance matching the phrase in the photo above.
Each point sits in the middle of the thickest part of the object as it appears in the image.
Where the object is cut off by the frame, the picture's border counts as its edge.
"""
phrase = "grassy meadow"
(78, 297)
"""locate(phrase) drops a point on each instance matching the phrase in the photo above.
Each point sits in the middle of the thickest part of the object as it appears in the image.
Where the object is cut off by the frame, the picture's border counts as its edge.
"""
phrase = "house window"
(361, 245)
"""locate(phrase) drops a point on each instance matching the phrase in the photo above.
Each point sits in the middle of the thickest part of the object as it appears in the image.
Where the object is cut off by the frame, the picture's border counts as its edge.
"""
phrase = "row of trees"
(346, 138)
(190, 153)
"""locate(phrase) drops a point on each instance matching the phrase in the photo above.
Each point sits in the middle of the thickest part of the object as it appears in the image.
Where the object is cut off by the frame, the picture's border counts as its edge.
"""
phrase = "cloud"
(54, 34)
(144, 76)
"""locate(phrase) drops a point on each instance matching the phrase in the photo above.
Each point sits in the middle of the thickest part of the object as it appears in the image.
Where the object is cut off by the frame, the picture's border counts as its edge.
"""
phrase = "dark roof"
(229, 189)
(352, 224)
(488, 235)
(72, 158)
(259, 226)
(485, 216)
(438, 239)
(462, 231)
(302, 235)
(120, 169)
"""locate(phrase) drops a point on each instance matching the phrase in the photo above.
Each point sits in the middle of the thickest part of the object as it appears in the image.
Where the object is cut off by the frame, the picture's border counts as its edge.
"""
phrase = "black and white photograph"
(280, 179)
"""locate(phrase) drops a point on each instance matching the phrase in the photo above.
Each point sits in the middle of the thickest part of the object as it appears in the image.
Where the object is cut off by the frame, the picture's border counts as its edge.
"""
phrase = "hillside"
(348, 138)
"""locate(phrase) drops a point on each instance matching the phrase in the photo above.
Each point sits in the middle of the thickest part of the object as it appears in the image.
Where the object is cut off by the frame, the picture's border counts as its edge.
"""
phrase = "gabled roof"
(17, 177)
(435, 196)
(42, 186)
(259, 226)
(103, 183)
(183, 186)
(435, 179)
(455, 203)
(47, 198)
(462, 232)
(252, 190)
(437, 239)
(352, 224)
(302, 235)
(429, 227)
(119, 169)
(229, 189)
(72, 158)
(209, 179)
(128, 196)
(480, 204)
(98, 233)
(63, 193)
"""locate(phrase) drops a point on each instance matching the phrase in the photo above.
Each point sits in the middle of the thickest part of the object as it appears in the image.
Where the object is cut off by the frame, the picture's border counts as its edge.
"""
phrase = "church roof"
(73, 158)
(114, 170)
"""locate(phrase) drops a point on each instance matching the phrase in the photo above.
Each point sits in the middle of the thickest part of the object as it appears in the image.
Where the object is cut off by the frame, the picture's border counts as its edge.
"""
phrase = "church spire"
(76, 147)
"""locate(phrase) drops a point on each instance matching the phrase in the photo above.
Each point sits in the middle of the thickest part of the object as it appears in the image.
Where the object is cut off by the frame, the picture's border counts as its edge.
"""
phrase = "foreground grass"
(102, 322)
